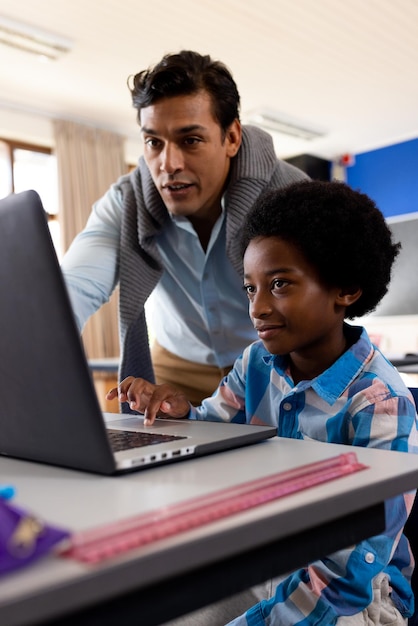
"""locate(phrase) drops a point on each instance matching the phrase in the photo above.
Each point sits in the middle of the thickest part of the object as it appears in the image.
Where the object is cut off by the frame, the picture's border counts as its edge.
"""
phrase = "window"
(25, 166)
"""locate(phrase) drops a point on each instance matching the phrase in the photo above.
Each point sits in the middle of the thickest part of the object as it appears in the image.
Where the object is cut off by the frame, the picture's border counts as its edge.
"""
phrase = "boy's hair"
(341, 232)
(187, 73)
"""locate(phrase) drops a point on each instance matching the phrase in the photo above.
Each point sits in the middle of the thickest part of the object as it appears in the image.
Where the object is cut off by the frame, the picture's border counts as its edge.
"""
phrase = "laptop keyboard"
(126, 439)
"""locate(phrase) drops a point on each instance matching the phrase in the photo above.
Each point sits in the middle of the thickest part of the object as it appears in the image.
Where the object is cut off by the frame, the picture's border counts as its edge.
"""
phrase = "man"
(171, 227)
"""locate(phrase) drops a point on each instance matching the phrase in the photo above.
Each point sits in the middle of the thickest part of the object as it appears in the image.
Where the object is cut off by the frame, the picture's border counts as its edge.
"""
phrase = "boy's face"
(187, 157)
(292, 310)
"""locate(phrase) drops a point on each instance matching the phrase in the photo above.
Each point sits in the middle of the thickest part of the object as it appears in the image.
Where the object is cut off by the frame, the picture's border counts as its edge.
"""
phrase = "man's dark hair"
(184, 74)
(340, 231)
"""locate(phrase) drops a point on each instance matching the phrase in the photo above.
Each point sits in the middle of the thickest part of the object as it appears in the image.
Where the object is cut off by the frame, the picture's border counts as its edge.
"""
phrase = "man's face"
(186, 155)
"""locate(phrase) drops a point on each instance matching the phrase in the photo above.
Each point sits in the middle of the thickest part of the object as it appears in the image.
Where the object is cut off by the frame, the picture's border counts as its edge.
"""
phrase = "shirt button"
(287, 406)
(369, 558)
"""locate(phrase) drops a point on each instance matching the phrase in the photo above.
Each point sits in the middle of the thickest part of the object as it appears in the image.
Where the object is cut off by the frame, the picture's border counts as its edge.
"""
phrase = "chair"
(411, 532)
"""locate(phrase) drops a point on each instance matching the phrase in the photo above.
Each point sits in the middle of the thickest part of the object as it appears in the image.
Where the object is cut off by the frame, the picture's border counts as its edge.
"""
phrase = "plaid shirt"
(362, 401)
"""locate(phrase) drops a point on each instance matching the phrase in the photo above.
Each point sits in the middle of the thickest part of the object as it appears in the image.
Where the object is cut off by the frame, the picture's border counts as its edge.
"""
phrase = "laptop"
(49, 410)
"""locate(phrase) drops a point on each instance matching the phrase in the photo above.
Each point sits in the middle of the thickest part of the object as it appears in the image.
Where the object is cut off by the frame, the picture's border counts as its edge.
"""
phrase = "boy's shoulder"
(381, 377)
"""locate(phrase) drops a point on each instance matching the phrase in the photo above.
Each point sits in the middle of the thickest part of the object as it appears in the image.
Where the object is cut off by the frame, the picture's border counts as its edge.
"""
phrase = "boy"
(315, 254)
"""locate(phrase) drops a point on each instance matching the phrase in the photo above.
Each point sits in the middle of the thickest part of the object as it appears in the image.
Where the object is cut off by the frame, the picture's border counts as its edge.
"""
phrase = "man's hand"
(151, 400)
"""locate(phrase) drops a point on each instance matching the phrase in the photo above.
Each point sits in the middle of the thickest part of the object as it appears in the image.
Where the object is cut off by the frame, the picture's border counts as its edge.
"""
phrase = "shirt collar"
(334, 381)
(181, 220)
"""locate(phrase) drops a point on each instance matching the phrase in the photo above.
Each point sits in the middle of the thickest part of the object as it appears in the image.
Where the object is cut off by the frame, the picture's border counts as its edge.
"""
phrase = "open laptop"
(49, 411)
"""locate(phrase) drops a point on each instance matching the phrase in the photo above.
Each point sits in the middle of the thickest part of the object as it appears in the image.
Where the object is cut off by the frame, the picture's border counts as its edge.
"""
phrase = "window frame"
(15, 144)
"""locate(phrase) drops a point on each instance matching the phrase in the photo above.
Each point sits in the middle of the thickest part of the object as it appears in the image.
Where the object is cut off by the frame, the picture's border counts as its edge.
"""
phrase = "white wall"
(26, 127)
(396, 335)
(37, 128)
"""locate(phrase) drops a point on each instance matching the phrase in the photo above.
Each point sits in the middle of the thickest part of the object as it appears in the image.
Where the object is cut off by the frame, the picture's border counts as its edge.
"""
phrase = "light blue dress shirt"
(199, 298)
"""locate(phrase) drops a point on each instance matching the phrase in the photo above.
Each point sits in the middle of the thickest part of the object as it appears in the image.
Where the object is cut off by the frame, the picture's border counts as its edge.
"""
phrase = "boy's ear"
(348, 295)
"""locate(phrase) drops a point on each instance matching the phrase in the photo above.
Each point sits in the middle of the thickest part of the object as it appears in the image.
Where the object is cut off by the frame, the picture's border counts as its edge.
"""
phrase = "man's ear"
(233, 138)
(348, 295)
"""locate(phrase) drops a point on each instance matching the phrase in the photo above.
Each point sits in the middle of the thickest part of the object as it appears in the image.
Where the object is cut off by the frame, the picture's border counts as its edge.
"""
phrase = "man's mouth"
(176, 186)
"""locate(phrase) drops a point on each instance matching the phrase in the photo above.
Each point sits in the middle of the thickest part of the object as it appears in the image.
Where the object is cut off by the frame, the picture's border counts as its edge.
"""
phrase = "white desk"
(106, 364)
(161, 581)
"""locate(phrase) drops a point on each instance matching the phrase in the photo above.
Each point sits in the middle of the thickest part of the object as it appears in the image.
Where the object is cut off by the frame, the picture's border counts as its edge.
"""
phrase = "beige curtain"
(89, 161)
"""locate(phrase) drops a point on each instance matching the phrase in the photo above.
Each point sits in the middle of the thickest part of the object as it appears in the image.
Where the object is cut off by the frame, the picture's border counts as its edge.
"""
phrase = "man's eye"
(151, 142)
(248, 289)
(191, 141)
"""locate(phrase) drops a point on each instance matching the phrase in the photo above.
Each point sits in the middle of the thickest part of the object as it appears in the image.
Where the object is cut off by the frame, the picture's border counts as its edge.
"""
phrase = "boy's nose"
(260, 305)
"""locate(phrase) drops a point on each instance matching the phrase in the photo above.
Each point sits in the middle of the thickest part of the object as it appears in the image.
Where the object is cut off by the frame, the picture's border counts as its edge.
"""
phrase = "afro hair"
(340, 231)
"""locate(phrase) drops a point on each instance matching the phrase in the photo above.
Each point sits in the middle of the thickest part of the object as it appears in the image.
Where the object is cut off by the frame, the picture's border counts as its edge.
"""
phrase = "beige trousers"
(197, 381)
(380, 612)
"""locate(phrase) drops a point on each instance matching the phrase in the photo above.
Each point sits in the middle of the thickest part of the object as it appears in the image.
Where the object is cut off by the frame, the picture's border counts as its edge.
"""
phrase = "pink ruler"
(98, 544)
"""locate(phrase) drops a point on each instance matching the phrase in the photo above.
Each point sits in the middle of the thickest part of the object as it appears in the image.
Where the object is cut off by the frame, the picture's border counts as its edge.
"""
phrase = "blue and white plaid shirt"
(360, 400)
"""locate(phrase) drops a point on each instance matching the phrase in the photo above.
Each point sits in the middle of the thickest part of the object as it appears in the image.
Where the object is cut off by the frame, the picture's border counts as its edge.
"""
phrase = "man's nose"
(171, 159)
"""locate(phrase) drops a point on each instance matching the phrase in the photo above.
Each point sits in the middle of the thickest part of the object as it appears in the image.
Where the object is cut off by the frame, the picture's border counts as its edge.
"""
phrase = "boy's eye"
(248, 289)
(278, 283)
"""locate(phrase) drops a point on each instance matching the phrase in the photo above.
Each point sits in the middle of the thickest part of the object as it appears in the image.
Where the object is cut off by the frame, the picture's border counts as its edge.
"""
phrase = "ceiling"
(345, 67)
